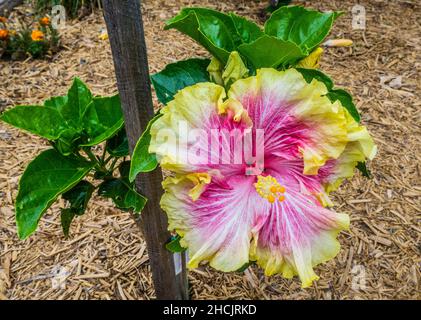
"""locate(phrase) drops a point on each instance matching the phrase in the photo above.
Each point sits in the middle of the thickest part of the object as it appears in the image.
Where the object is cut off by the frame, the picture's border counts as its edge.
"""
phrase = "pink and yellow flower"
(277, 217)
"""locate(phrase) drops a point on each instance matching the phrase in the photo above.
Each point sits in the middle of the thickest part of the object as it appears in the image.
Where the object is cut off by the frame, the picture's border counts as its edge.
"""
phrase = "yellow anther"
(280, 189)
(269, 188)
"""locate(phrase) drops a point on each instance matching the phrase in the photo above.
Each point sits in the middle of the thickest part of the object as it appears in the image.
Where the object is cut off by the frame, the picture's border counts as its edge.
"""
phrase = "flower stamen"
(269, 188)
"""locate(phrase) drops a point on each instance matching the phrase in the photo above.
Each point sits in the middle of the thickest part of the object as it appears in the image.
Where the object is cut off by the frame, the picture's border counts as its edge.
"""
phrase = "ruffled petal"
(216, 227)
(189, 136)
(296, 235)
(297, 117)
(360, 148)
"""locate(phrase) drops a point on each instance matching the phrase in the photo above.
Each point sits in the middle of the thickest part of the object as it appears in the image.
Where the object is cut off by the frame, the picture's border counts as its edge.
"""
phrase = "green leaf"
(174, 245)
(66, 218)
(306, 28)
(246, 29)
(310, 74)
(363, 169)
(57, 102)
(68, 141)
(118, 145)
(102, 119)
(179, 75)
(346, 100)
(42, 121)
(79, 196)
(142, 160)
(214, 30)
(79, 97)
(122, 194)
(46, 177)
(270, 52)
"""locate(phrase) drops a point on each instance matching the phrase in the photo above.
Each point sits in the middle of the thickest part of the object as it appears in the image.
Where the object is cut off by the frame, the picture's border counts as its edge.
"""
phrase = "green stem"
(111, 168)
(103, 154)
(93, 158)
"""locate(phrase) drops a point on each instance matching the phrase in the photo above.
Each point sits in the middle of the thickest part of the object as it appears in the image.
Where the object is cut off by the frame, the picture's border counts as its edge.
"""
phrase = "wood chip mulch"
(105, 256)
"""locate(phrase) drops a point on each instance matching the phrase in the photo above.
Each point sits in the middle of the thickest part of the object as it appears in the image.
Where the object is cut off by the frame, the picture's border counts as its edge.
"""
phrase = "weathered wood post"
(125, 30)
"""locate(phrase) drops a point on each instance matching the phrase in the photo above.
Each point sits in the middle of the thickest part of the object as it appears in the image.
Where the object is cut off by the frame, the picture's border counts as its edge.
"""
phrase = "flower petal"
(296, 235)
(182, 137)
(296, 116)
(360, 148)
(217, 226)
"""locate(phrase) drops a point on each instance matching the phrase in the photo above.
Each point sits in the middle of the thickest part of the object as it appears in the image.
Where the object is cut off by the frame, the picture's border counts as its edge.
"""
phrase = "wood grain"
(126, 34)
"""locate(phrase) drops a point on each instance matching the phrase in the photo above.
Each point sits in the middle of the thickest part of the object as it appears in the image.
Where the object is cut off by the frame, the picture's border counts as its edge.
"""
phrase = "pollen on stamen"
(269, 188)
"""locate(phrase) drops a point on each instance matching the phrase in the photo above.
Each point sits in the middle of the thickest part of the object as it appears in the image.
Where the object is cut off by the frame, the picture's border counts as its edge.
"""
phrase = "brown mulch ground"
(105, 257)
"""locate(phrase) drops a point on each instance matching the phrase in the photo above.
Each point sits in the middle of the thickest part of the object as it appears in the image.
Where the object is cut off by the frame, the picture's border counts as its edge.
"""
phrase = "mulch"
(105, 256)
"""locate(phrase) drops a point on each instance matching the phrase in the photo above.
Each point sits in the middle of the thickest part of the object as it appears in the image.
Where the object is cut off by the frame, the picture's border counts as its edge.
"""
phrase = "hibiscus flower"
(267, 204)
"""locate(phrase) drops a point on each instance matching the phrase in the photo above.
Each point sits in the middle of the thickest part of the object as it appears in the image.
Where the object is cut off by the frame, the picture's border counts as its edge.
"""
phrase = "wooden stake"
(125, 31)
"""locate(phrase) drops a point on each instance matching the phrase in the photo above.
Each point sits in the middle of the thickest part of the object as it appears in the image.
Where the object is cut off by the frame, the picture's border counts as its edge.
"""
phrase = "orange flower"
(37, 35)
(45, 21)
(4, 34)
(3, 19)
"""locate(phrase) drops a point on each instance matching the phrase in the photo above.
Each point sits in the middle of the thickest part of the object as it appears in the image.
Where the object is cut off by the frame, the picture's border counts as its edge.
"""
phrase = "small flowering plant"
(253, 141)
(36, 39)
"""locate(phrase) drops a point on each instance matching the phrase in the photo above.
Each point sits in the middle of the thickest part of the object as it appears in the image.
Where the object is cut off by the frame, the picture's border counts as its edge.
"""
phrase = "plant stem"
(103, 154)
(111, 168)
(91, 156)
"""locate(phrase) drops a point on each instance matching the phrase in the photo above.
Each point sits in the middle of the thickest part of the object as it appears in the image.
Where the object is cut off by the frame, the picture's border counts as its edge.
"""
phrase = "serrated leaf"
(103, 119)
(174, 245)
(66, 218)
(122, 194)
(214, 30)
(270, 52)
(142, 160)
(346, 100)
(46, 122)
(306, 28)
(179, 75)
(45, 178)
(118, 145)
(246, 29)
(79, 196)
(362, 167)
